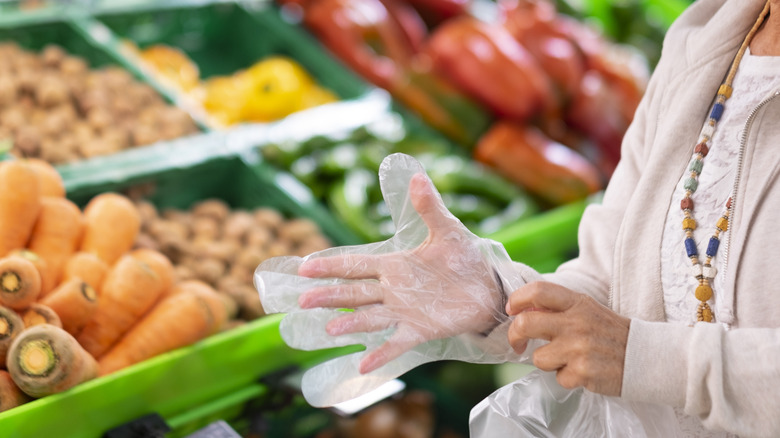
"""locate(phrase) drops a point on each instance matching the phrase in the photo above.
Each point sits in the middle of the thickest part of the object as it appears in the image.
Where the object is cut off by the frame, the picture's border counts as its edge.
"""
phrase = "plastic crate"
(222, 38)
(174, 383)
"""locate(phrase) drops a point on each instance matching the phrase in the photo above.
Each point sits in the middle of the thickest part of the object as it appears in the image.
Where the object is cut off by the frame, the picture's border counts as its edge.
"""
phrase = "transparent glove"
(433, 291)
(536, 406)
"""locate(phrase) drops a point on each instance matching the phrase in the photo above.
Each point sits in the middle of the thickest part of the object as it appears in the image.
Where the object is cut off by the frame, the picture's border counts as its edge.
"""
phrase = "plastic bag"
(433, 291)
(537, 406)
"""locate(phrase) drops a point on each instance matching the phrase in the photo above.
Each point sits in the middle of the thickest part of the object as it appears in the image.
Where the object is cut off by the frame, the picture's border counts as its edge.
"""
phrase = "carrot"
(56, 236)
(75, 302)
(38, 314)
(220, 303)
(178, 320)
(10, 326)
(49, 180)
(10, 394)
(88, 267)
(159, 263)
(19, 204)
(20, 282)
(130, 289)
(46, 360)
(40, 264)
(112, 224)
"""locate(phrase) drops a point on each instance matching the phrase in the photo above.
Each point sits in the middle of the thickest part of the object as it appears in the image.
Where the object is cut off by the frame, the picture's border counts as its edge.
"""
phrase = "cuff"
(655, 369)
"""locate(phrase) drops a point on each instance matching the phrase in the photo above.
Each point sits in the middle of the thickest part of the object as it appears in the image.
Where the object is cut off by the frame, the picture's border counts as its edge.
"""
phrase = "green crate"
(37, 35)
(176, 383)
(222, 38)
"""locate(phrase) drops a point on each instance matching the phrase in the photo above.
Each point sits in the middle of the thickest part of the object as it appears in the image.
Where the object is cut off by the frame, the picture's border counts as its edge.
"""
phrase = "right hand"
(440, 289)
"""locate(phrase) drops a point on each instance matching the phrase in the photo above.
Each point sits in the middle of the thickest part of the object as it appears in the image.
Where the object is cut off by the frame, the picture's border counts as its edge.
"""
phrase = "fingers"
(534, 325)
(549, 358)
(367, 320)
(354, 266)
(404, 339)
(350, 295)
(541, 295)
(428, 204)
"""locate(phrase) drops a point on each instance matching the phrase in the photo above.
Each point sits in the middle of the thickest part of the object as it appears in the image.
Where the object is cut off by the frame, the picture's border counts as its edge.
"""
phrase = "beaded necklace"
(704, 273)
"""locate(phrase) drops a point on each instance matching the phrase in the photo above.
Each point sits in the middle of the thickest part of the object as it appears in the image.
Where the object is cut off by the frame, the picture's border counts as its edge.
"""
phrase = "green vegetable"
(349, 199)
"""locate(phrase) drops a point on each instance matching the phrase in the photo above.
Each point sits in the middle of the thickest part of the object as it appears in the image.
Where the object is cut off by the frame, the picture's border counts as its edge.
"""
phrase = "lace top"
(756, 78)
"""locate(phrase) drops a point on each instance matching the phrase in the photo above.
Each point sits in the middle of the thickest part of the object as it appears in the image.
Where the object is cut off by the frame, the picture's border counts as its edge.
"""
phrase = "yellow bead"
(689, 224)
(725, 90)
(723, 224)
(706, 315)
(703, 292)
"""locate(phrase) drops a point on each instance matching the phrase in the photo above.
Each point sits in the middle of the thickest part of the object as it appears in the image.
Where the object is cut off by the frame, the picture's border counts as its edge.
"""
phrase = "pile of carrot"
(78, 299)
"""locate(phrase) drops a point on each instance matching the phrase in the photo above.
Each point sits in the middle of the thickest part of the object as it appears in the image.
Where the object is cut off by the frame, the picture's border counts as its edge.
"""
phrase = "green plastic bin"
(222, 38)
(175, 384)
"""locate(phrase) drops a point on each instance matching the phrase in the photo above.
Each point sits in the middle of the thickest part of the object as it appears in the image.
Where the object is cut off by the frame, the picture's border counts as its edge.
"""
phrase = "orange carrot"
(10, 326)
(38, 314)
(40, 264)
(177, 321)
(130, 289)
(75, 302)
(46, 360)
(56, 236)
(49, 180)
(19, 204)
(20, 282)
(88, 267)
(10, 394)
(159, 263)
(112, 224)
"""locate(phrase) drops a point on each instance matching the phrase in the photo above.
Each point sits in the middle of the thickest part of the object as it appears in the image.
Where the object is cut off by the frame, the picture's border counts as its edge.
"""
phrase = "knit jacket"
(728, 377)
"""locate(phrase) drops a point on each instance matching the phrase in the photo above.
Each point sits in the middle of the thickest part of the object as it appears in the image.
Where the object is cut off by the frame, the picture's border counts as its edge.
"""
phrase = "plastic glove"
(425, 294)
(537, 406)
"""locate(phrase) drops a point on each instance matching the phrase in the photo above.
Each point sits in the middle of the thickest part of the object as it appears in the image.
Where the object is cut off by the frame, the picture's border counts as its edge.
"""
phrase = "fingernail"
(508, 308)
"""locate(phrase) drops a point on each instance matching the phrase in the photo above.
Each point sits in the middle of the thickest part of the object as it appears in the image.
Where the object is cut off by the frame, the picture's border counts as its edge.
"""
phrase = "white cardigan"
(730, 378)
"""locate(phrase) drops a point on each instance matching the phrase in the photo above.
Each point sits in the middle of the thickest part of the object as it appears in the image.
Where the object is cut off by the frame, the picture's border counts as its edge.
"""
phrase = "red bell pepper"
(537, 26)
(379, 39)
(547, 169)
(437, 11)
(489, 64)
(364, 35)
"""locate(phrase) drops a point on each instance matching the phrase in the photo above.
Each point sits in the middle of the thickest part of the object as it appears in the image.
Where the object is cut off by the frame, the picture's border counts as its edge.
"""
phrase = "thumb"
(428, 204)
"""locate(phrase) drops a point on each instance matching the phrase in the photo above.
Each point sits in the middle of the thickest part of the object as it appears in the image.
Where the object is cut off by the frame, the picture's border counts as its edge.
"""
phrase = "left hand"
(587, 340)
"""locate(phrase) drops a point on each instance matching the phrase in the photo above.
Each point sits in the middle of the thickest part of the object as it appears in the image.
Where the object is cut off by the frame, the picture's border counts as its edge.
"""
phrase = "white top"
(757, 77)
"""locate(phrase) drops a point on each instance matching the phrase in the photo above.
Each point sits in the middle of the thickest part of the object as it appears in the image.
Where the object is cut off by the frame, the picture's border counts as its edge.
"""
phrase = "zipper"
(738, 177)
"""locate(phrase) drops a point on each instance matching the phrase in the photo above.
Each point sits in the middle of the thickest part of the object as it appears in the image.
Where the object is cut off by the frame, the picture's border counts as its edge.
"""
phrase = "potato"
(298, 230)
(53, 55)
(205, 227)
(268, 218)
(237, 225)
(214, 208)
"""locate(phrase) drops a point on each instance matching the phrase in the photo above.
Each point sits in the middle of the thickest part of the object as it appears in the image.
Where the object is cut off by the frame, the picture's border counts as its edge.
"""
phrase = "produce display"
(54, 107)
(270, 89)
(554, 81)
(87, 293)
(342, 172)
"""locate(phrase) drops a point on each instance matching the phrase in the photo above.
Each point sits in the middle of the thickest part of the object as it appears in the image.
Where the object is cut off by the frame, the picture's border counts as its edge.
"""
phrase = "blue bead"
(712, 247)
(690, 247)
(717, 111)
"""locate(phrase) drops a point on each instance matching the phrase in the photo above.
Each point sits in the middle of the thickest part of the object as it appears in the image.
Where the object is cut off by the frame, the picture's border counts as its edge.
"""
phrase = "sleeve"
(722, 376)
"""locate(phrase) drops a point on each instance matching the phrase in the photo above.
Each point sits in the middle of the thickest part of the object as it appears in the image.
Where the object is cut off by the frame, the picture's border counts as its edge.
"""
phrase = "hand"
(587, 340)
(442, 288)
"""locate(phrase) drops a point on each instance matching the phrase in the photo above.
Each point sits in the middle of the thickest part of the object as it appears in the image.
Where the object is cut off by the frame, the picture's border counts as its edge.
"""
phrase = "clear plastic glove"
(433, 291)
(537, 406)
